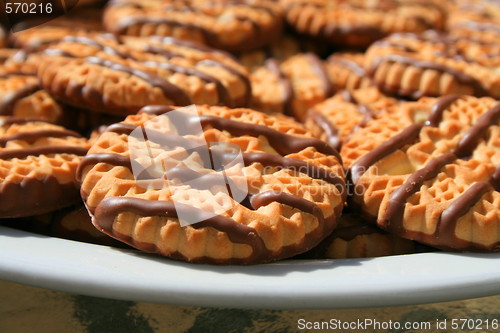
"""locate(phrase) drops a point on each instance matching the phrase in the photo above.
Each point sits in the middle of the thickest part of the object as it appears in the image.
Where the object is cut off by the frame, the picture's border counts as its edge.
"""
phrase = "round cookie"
(22, 96)
(292, 86)
(38, 162)
(230, 25)
(295, 191)
(335, 119)
(120, 75)
(346, 71)
(475, 19)
(360, 23)
(355, 238)
(432, 178)
(78, 22)
(432, 64)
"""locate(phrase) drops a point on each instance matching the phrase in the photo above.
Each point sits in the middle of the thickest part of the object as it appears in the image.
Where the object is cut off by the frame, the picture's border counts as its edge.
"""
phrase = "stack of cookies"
(250, 131)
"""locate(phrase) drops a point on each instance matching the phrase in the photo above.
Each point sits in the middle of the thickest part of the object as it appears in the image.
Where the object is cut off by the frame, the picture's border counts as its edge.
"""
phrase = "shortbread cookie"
(475, 19)
(78, 22)
(230, 25)
(22, 96)
(347, 72)
(295, 185)
(120, 75)
(356, 238)
(335, 119)
(432, 179)
(38, 161)
(432, 64)
(360, 23)
(74, 223)
(292, 86)
(5, 54)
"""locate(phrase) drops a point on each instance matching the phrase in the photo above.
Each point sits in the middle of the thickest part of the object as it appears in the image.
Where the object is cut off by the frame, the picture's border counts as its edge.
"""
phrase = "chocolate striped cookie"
(434, 179)
(294, 186)
(120, 75)
(38, 162)
(235, 25)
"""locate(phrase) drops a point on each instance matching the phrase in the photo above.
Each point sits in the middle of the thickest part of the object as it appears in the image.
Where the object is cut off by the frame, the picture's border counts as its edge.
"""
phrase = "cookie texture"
(430, 172)
(346, 71)
(22, 96)
(433, 64)
(475, 19)
(38, 162)
(120, 75)
(292, 86)
(360, 23)
(229, 25)
(335, 119)
(295, 191)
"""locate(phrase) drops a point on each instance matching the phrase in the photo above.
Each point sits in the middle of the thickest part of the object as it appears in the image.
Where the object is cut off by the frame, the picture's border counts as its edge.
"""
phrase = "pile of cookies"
(362, 128)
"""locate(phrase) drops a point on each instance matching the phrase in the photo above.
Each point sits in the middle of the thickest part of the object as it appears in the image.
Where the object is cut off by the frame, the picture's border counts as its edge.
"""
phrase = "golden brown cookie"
(294, 196)
(335, 119)
(358, 23)
(38, 161)
(230, 25)
(292, 86)
(434, 179)
(22, 96)
(356, 238)
(120, 75)
(432, 64)
(347, 72)
(475, 19)
(78, 22)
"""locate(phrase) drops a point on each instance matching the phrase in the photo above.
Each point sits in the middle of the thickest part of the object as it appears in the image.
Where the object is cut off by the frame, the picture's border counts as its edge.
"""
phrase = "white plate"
(126, 274)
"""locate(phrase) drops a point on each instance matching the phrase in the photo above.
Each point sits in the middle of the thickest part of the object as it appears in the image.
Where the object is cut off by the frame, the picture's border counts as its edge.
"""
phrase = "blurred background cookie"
(359, 23)
(433, 64)
(118, 76)
(229, 25)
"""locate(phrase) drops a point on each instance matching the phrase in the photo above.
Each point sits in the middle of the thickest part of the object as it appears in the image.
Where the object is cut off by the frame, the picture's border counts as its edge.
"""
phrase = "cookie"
(346, 71)
(292, 86)
(433, 179)
(74, 223)
(474, 19)
(295, 187)
(38, 161)
(22, 96)
(118, 76)
(335, 119)
(230, 25)
(78, 22)
(433, 64)
(360, 23)
(356, 238)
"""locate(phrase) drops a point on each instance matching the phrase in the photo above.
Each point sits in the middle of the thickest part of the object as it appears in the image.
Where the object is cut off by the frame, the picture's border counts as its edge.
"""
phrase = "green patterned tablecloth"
(32, 310)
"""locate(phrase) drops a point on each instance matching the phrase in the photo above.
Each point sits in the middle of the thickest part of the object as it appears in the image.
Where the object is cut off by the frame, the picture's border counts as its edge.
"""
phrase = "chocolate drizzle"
(273, 66)
(93, 159)
(171, 91)
(471, 139)
(110, 208)
(405, 137)
(35, 135)
(438, 109)
(460, 76)
(42, 150)
(330, 130)
(10, 99)
(319, 69)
